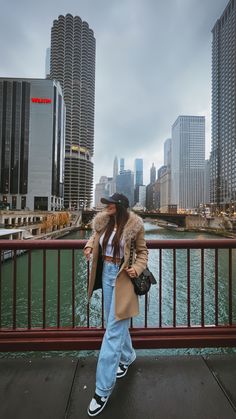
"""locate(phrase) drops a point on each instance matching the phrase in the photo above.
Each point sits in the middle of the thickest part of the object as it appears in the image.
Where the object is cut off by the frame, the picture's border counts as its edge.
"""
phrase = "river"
(151, 232)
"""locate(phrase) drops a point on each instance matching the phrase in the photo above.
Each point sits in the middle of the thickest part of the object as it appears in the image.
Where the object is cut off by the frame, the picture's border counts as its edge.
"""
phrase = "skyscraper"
(31, 143)
(223, 149)
(138, 179)
(207, 182)
(73, 65)
(167, 152)
(188, 161)
(103, 189)
(115, 168)
(153, 174)
(122, 165)
(138, 172)
(125, 185)
(164, 174)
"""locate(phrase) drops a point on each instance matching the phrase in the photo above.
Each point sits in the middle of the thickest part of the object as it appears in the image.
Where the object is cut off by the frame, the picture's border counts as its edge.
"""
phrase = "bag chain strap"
(131, 253)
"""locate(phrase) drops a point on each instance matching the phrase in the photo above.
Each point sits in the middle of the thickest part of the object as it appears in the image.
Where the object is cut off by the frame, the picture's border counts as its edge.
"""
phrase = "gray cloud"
(153, 64)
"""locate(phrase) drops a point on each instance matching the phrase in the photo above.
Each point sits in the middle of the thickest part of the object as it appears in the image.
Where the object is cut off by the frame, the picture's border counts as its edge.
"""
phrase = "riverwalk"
(165, 387)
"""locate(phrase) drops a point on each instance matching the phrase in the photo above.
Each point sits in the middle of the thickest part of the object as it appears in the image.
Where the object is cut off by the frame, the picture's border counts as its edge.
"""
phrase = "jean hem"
(129, 362)
(103, 393)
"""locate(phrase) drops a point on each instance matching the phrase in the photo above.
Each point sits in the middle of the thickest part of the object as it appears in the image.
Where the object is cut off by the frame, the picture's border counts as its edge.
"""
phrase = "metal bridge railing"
(43, 304)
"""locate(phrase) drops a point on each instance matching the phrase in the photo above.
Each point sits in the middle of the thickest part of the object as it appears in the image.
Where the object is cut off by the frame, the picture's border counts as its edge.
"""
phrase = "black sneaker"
(97, 404)
(122, 370)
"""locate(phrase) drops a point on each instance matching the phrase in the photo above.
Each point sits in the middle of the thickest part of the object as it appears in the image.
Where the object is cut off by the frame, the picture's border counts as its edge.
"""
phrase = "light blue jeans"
(116, 345)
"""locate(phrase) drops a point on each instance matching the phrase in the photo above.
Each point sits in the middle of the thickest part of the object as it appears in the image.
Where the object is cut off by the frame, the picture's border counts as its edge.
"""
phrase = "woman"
(110, 244)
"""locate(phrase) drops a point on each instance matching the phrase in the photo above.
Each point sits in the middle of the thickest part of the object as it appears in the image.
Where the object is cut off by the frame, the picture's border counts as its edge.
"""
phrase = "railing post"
(14, 289)
(216, 288)
(44, 288)
(160, 287)
(174, 287)
(202, 290)
(188, 289)
(88, 305)
(73, 289)
(230, 289)
(59, 288)
(29, 289)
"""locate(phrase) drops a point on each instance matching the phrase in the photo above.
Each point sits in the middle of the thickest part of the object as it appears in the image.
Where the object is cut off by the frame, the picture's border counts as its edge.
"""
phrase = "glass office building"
(188, 162)
(223, 150)
(31, 143)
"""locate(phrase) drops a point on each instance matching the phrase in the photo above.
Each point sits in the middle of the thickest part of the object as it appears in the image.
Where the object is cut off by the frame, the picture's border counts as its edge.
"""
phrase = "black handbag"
(143, 282)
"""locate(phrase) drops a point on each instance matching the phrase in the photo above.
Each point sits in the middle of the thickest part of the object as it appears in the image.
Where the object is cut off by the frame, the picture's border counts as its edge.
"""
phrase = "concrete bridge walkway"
(178, 387)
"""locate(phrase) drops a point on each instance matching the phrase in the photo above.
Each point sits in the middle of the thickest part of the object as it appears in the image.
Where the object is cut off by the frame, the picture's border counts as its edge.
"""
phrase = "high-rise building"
(150, 196)
(157, 194)
(125, 185)
(31, 143)
(188, 161)
(138, 180)
(122, 165)
(142, 195)
(161, 171)
(153, 174)
(115, 168)
(138, 172)
(73, 64)
(165, 191)
(150, 189)
(115, 174)
(207, 182)
(103, 189)
(167, 152)
(165, 178)
(223, 149)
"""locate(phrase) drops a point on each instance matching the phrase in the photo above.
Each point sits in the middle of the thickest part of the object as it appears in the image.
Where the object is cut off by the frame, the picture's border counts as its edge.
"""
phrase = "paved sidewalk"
(178, 387)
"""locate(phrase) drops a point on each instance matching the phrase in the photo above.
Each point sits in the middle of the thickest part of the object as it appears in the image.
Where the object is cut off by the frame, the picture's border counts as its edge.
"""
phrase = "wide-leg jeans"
(116, 345)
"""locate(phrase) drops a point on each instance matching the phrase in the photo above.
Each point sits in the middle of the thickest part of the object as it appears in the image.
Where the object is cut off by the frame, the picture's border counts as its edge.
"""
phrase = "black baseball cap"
(116, 198)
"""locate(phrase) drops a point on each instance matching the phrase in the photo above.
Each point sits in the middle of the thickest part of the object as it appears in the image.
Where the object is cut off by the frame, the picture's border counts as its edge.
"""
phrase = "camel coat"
(126, 301)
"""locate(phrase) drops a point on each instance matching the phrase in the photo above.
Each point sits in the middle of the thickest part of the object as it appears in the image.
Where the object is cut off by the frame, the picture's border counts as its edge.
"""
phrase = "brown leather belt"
(116, 261)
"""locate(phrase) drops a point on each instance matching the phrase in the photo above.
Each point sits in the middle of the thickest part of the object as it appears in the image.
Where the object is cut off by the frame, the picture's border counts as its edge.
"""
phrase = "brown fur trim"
(133, 226)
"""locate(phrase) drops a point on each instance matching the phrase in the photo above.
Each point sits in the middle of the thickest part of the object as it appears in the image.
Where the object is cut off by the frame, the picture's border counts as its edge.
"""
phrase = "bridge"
(175, 387)
(178, 219)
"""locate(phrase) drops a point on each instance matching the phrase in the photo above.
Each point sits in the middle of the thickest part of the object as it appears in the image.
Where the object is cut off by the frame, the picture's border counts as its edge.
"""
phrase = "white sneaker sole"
(97, 413)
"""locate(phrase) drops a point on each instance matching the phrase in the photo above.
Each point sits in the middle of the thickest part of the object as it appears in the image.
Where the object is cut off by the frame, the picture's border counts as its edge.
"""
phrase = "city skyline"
(146, 77)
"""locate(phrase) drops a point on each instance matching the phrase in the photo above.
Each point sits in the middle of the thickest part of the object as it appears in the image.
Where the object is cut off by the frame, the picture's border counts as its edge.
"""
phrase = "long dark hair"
(122, 216)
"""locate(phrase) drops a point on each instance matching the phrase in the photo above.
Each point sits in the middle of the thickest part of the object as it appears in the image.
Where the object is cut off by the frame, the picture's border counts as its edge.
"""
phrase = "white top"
(109, 248)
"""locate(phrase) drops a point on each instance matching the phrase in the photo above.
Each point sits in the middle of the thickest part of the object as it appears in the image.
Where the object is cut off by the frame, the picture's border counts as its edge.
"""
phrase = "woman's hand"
(131, 272)
(87, 252)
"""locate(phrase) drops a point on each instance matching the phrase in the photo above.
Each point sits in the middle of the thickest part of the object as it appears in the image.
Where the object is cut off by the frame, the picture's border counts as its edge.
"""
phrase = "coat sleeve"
(90, 241)
(141, 250)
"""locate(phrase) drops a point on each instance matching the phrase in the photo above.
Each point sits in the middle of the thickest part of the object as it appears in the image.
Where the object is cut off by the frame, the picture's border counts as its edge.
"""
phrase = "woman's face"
(111, 209)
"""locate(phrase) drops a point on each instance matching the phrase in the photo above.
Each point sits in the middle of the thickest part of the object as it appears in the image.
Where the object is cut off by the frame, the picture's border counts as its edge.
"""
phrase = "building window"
(41, 203)
(23, 202)
(13, 202)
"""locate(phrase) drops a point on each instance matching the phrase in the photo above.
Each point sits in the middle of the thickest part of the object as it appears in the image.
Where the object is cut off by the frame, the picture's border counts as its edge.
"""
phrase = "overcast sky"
(153, 63)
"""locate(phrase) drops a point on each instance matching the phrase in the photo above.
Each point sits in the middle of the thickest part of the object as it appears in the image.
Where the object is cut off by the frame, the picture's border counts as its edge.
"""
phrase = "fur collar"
(132, 227)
